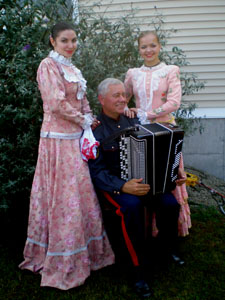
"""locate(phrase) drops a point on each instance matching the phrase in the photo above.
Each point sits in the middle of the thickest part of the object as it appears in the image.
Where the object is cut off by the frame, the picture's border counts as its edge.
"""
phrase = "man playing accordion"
(129, 197)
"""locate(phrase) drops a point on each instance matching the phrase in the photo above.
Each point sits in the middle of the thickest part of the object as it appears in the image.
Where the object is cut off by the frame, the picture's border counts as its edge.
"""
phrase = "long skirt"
(66, 237)
(184, 220)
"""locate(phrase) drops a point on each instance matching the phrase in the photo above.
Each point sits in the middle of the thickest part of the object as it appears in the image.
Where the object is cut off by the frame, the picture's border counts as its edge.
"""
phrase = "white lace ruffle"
(75, 76)
(142, 116)
(158, 72)
(140, 78)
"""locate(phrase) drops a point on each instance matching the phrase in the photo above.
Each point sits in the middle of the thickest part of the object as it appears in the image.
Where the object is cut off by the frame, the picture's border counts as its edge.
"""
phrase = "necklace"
(153, 66)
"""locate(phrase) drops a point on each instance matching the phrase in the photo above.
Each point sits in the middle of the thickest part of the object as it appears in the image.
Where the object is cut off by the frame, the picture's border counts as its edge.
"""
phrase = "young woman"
(157, 91)
(66, 238)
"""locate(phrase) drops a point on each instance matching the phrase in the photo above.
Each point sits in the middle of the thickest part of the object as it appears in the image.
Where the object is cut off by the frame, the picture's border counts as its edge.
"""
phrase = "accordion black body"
(152, 152)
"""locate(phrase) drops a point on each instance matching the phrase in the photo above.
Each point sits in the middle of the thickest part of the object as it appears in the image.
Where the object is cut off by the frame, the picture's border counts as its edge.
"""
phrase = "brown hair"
(147, 32)
(57, 28)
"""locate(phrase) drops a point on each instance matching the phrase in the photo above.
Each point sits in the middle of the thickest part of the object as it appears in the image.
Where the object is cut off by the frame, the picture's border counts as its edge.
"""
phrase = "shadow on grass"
(201, 278)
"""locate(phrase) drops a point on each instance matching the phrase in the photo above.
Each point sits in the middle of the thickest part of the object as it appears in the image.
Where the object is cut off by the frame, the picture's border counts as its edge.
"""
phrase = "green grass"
(202, 277)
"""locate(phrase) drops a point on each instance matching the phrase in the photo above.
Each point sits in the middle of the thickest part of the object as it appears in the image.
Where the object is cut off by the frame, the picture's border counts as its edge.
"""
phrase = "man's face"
(114, 101)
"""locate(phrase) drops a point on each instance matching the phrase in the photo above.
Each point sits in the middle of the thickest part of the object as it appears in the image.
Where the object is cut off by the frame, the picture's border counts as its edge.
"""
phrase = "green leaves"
(105, 49)
(23, 44)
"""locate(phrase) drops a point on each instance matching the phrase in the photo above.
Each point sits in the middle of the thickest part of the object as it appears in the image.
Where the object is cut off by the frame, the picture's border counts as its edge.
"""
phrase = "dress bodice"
(63, 91)
(157, 90)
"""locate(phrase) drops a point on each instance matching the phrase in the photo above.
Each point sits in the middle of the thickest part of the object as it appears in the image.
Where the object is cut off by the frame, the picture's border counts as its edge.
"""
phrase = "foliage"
(105, 50)
(23, 44)
(108, 49)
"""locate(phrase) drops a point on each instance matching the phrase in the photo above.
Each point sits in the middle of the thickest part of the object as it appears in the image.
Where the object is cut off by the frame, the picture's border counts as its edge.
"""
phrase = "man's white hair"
(103, 86)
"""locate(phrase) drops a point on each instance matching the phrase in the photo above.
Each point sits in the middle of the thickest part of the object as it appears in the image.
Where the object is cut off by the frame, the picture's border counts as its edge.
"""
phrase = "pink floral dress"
(157, 91)
(66, 237)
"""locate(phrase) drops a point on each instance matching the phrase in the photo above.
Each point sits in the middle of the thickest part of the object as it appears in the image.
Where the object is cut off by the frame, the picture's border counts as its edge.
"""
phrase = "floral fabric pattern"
(66, 238)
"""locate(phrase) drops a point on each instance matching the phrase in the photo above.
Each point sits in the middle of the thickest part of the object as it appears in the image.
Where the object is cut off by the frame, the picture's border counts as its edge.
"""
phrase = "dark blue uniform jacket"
(105, 169)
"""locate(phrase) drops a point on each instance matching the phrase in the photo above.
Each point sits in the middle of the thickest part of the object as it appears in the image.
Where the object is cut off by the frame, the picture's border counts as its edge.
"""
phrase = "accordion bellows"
(152, 152)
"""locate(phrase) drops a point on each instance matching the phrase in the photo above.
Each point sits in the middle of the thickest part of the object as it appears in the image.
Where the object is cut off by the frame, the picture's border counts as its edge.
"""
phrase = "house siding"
(200, 34)
(200, 29)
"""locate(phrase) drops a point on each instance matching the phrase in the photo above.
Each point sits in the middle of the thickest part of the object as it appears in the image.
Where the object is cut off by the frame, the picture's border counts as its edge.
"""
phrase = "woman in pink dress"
(66, 237)
(157, 91)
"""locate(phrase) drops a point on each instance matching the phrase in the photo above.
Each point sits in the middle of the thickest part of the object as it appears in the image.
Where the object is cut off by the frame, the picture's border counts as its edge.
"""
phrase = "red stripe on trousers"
(125, 234)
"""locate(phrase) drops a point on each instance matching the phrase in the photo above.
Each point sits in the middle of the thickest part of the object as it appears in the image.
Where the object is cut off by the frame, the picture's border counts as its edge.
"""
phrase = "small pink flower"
(69, 269)
(70, 241)
(85, 261)
(59, 266)
(72, 180)
(35, 204)
(43, 221)
(94, 214)
(68, 218)
(73, 203)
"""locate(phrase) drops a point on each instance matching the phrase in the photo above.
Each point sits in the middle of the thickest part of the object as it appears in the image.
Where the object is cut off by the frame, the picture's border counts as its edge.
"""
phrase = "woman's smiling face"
(65, 43)
(149, 48)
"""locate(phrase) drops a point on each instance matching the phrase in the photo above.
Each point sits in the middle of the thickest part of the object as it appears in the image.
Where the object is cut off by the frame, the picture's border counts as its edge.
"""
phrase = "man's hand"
(182, 177)
(135, 187)
(95, 124)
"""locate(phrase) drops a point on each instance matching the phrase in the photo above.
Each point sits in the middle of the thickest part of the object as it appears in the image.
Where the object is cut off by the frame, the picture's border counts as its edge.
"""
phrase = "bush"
(105, 50)
(23, 45)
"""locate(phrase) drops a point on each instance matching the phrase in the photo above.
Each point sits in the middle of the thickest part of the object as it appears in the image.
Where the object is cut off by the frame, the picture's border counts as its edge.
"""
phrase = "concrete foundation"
(206, 151)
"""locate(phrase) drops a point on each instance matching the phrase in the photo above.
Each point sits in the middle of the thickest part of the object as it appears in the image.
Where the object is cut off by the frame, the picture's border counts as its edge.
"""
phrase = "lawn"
(201, 278)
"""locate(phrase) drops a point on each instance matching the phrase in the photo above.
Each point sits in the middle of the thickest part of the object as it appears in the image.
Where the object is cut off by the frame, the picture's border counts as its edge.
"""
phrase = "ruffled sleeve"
(85, 106)
(53, 93)
(173, 96)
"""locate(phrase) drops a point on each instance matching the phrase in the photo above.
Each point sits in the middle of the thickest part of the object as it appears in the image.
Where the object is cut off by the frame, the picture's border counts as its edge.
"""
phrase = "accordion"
(151, 152)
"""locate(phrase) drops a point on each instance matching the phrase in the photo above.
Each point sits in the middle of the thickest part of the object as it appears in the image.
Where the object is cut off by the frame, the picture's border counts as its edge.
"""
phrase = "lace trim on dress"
(142, 116)
(75, 77)
(158, 72)
(59, 135)
(68, 253)
(37, 243)
(140, 78)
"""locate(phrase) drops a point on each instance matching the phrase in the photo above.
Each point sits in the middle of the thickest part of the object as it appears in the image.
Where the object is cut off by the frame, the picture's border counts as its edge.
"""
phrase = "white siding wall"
(201, 34)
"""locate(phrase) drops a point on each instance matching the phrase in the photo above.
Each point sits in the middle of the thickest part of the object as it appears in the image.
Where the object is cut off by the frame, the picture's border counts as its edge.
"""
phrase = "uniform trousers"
(166, 208)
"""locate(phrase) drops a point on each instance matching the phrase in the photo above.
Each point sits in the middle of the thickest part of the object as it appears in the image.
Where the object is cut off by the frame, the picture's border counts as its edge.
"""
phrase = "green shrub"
(105, 50)
(23, 44)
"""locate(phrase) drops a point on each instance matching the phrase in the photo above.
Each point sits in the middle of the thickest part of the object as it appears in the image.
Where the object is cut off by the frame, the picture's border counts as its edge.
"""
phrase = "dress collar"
(160, 65)
(60, 58)
(69, 76)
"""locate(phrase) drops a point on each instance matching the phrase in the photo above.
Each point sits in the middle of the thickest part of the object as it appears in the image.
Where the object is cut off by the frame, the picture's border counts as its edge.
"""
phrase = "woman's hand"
(182, 177)
(134, 110)
(130, 113)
